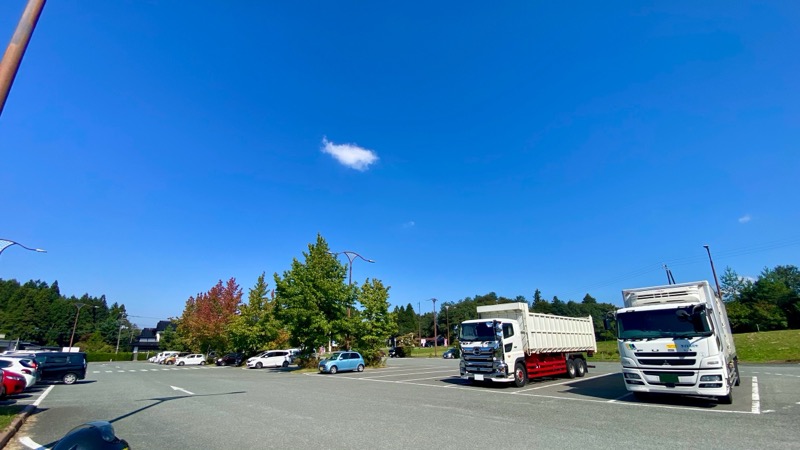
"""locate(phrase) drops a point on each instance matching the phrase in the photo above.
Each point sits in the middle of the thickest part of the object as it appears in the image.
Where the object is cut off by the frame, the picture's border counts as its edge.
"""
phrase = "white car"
(272, 358)
(21, 367)
(161, 357)
(195, 359)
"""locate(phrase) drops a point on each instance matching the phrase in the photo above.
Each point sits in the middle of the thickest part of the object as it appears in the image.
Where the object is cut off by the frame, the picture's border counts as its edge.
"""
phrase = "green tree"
(313, 298)
(255, 327)
(376, 323)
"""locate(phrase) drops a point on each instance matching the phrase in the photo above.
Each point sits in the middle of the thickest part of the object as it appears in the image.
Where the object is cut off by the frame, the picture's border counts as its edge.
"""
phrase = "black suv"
(231, 359)
(61, 366)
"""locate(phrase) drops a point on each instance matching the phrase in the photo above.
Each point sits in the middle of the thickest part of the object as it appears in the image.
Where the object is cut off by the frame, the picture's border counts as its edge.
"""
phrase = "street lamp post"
(119, 333)
(75, 325)
(713, 271)
(435, 332)
(351, 255)
(5, 243)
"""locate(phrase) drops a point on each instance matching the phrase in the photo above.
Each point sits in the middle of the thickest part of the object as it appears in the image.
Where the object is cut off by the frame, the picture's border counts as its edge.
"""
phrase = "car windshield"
(664, 323)
(334, 356)
(477, 331)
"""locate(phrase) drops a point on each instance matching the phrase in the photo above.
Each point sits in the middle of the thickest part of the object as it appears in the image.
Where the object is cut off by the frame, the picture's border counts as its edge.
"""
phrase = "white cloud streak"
(350, 155)
(409, 224)
(745, 218)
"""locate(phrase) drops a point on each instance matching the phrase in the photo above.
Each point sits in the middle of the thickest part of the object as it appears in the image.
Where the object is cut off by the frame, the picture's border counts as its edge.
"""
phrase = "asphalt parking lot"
(410, 403)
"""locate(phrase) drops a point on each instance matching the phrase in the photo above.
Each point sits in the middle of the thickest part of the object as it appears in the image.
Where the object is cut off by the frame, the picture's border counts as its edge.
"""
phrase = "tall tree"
(205, 317)
(255, 327)
(313, 298)
(376, 323)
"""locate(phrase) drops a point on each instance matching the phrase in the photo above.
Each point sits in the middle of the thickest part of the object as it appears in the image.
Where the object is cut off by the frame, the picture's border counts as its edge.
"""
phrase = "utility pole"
(419, 321)
(9, 65)
(713, 271)
(435, 332)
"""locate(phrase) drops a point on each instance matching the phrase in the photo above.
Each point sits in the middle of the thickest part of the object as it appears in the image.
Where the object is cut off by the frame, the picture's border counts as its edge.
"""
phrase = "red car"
(12, 383)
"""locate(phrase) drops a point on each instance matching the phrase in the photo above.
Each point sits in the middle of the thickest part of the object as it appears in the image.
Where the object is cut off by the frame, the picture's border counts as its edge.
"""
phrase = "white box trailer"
(508, 343)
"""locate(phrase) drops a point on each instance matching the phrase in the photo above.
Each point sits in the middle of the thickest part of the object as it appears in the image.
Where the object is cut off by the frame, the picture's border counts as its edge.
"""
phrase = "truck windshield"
(481, 331)
(660, 323)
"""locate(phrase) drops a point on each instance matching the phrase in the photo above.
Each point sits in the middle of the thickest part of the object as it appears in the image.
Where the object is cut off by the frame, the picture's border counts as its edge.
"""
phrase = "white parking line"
(559, 384)
(416, 373)
(109, 371)
(95, 371)
(755, 407)
(30, 443)
(120, 371)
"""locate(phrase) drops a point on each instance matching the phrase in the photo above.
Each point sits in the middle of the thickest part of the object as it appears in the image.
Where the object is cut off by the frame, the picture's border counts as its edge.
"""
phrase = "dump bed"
(545, 333)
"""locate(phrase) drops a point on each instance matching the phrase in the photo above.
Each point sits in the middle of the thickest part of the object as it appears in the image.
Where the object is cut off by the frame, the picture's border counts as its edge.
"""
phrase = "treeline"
(37, 312)
(451, 313)
(770, 302)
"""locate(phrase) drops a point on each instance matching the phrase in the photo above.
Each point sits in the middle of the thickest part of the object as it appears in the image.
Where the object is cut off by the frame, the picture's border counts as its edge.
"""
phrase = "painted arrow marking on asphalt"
(182, 390)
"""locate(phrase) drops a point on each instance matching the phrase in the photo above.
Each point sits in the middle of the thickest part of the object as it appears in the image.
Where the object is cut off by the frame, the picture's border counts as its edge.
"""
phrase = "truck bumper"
(712, 383)
(487, 377)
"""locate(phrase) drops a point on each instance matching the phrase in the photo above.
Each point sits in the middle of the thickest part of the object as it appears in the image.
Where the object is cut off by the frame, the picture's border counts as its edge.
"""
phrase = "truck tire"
(570, 369)
(726, 399)
(520, 375)
(736, 371)
(641, 396)
(580, 367)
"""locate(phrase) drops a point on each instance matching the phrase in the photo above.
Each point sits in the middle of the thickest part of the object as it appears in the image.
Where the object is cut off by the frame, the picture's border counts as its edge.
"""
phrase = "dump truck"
(510, 344)
(676, 339)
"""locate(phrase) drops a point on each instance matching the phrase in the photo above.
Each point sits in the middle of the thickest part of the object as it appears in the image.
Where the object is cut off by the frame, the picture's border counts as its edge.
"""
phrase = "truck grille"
(666, 359)
(478, 360)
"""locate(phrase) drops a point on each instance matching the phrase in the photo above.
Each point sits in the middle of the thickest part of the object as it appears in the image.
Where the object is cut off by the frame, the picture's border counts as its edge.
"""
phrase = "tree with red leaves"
(202, 326)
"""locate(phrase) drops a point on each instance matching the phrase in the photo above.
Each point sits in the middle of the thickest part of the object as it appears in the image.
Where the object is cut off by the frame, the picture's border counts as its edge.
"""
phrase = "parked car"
(24, 367)
(272, 358)
(451, 354)
(195, 359)
(68, 367)
(11, 383)
(170, 359)
(230, 359)
(164, 356)
(342, 361)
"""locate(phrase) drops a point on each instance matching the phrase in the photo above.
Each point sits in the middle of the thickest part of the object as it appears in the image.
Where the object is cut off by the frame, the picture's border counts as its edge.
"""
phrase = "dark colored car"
(68, 367)
(451, 354)
(10, 383)
(231, 359)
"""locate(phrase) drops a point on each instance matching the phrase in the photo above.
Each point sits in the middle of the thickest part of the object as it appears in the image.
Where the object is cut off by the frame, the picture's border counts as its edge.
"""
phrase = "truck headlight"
(632, 376)
(711, 378)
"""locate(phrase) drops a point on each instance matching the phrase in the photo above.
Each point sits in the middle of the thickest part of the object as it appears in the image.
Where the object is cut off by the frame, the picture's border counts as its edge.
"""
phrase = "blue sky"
(154, 148)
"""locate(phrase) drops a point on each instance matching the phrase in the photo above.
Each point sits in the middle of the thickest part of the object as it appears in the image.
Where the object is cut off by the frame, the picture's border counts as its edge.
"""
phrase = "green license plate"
(668, 378)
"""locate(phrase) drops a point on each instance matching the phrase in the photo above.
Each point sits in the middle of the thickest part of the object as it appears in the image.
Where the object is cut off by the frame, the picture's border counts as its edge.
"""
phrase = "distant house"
(148, 339)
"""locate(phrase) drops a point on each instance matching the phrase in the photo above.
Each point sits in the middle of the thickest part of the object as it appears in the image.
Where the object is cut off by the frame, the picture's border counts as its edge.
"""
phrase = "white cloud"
(745, 218)
(409, 224)
(350, 155)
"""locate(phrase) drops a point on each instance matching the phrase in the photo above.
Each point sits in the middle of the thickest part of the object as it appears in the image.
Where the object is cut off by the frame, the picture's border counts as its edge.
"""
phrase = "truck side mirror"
(607, 320)
(683, 316)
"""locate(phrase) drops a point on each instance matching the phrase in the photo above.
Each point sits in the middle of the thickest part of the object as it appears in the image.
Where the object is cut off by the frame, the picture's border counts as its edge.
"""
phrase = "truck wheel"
(580, 367)
(736, 371)
(726, 399)
(641, 396)
(520, 375)
(570, 369)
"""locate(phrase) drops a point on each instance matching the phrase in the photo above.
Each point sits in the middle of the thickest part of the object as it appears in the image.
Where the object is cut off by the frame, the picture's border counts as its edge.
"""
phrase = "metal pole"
(435, 332)
(716, 281)
(118, 336)
(447, 315)
(5, 243)
(419, 321)
(9, 65)
(75, 325)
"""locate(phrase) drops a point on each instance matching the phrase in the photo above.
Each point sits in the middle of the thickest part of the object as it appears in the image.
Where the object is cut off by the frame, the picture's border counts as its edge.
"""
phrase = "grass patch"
(7, 414)
(427, 352)
(768, 346)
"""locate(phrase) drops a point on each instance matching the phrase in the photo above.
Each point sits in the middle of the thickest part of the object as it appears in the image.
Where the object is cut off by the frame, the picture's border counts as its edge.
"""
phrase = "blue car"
(342, 361)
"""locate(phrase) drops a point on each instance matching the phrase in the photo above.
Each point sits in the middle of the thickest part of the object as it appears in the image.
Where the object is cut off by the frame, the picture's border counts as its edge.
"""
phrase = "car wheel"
(334, 369)
(285, 364)
(202, 363)
(259, 365)
(2, 390)
(70, 378)
(180, 363)
(360, 368)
